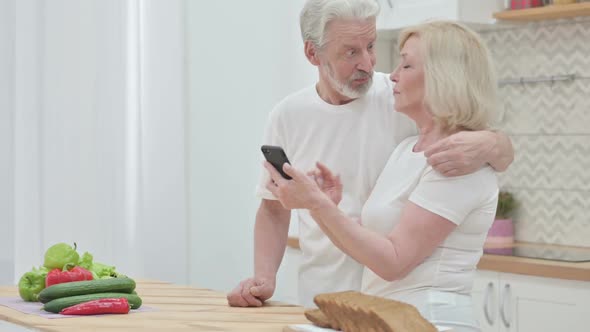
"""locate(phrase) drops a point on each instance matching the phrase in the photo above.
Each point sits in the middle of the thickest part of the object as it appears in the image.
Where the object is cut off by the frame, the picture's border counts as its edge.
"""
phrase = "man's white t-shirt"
(354, 140)
(468, 201)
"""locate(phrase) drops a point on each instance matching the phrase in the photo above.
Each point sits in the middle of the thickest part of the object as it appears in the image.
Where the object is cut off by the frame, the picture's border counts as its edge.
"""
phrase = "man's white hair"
(316, 14)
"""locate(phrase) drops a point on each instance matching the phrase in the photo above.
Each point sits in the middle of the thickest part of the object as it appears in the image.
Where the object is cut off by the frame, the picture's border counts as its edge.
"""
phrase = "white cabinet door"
(534, 304)
(409, 12)
(506, 302)
(396, 14)
(486, 300)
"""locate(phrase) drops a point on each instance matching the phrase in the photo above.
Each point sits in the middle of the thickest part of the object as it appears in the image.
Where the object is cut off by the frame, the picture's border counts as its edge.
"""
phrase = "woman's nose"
(394, 75)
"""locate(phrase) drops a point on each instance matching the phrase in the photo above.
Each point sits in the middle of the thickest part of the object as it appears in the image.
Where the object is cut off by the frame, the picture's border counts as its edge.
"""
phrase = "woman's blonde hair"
(459, 77)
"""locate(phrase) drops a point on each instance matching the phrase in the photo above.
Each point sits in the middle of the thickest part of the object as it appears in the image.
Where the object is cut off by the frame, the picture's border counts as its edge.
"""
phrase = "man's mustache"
(360, 74)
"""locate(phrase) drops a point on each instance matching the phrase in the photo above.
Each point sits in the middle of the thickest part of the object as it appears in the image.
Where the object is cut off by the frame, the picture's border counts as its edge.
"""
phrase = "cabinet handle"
(390, 4)
(486, 300)
(505, 296)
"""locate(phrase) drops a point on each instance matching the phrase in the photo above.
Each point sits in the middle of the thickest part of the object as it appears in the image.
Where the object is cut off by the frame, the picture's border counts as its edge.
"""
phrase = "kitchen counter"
(522, 265)
(177, 308)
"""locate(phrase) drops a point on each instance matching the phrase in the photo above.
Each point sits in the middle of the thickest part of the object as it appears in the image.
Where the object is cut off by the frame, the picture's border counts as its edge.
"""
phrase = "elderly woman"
(421, 234)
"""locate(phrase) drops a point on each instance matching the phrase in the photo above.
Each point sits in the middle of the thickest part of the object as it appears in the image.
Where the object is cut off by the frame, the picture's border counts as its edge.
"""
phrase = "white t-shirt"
(354, 140)
(468, 201)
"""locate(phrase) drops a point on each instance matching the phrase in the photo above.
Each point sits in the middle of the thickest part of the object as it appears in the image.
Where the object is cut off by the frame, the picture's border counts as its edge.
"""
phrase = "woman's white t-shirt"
(468, 201)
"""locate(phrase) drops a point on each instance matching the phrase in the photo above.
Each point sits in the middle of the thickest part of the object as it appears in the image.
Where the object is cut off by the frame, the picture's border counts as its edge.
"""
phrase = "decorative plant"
(506, 205)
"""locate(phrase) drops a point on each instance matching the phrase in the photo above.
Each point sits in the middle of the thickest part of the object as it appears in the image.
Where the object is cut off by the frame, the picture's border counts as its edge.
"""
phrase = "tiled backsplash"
(549, 124)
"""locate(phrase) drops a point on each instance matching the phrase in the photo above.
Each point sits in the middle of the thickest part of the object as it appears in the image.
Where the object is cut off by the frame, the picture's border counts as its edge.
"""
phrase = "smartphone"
(276, 156)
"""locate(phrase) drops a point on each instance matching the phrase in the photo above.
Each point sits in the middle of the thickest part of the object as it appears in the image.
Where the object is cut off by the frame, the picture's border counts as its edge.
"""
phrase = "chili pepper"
(97, 307)
(68, 274)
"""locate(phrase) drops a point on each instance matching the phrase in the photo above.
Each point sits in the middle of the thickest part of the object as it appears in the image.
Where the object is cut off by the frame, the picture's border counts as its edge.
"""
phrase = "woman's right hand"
(329, 183)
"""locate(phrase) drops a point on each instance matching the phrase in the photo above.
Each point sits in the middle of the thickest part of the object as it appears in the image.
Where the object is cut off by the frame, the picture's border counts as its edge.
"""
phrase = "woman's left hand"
(301, 192)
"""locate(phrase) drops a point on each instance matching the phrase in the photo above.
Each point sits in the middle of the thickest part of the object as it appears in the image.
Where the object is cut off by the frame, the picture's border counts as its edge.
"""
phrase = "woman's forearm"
(371, 249)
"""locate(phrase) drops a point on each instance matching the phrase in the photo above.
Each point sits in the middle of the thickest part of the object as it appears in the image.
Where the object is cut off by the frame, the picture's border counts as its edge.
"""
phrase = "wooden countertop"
(522, 265)
(179, 308)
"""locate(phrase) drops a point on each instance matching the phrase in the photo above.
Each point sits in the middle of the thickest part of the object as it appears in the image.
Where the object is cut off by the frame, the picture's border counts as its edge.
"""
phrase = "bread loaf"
(352, 311)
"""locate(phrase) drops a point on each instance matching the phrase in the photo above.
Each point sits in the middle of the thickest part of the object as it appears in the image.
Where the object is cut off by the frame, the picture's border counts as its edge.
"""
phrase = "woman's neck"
(429, 130)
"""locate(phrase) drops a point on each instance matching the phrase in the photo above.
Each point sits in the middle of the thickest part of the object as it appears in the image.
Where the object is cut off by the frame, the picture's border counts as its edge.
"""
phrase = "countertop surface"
(178, 308)
(522, 265)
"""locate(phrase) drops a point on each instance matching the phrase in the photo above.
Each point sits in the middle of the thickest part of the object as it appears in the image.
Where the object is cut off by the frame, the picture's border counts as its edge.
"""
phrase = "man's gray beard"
(345, 89)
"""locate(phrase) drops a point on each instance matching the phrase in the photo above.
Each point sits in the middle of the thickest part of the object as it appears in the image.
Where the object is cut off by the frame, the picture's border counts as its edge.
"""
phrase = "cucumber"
(58, 305)
(112, 285)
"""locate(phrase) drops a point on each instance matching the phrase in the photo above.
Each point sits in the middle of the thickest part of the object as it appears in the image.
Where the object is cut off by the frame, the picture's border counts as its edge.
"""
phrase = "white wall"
(244, 56)
(98, 135)
(162, 222)
(6, 140)
(70, 122)
(99, 131)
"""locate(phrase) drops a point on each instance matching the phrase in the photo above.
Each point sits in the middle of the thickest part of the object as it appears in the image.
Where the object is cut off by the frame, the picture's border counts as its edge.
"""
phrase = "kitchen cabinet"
(512, 302)
(396, 14)
(504, 301)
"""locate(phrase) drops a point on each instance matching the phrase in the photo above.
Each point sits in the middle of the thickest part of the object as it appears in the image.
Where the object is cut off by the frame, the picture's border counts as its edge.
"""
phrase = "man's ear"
(311, 52)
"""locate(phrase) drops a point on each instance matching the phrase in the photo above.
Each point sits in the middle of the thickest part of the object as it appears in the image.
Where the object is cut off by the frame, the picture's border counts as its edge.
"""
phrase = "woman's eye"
(406, 66)
(350, 52)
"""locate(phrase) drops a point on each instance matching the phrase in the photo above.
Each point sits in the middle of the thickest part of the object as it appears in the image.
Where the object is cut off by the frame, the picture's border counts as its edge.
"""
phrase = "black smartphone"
(276, 156)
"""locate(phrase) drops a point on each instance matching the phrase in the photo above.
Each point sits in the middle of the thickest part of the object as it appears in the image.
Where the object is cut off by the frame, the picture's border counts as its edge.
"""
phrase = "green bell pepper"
(32, 283)
(58, 255)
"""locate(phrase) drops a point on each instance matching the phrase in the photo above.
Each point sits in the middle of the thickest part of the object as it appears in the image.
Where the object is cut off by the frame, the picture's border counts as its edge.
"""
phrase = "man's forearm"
(270, 238)
(503, 153)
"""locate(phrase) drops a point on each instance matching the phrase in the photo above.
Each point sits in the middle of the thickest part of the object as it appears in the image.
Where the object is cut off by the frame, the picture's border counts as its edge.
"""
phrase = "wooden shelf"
(551, 12)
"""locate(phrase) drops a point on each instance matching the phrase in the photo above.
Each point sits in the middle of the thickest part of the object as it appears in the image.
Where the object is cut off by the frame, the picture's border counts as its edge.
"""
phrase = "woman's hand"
(301, 192)
(328, 183)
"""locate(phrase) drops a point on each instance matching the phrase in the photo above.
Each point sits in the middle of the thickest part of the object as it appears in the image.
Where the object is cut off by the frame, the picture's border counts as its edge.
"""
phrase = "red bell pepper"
(98, 307)
(68, 274)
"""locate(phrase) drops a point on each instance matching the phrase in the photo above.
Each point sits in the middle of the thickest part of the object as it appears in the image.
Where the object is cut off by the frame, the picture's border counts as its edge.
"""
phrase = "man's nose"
(367, 62)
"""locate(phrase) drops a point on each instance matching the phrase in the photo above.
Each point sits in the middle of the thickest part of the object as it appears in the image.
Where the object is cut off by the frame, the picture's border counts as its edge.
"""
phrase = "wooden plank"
(179, 308)
(545, 13)
(535, 267)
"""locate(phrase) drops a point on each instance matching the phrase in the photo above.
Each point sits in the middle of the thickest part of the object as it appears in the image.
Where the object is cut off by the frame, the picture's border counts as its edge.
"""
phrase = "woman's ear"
(311, 53)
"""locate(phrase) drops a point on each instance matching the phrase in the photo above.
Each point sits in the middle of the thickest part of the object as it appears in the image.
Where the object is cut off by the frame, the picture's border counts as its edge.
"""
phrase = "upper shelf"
(545, 13)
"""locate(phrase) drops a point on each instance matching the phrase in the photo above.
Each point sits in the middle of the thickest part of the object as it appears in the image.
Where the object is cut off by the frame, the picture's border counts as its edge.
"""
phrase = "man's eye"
(350, 52)
(406, 66)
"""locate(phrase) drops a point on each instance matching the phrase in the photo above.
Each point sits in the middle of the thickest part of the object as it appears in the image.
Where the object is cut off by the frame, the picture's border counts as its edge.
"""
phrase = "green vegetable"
(58, 304)
(32, 283)
(85, 261)
(59, 255)
(66, 289)
(99, 270)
